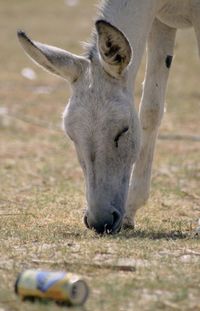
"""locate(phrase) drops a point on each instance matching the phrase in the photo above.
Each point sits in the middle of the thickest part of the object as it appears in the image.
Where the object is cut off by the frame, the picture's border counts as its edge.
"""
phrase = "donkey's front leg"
(160, 51)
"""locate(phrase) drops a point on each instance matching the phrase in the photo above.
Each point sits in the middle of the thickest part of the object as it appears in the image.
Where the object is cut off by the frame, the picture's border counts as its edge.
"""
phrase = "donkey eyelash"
(116, 140)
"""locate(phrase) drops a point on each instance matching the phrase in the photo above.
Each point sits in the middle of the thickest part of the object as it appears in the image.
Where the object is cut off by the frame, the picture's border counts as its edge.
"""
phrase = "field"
(42, 199)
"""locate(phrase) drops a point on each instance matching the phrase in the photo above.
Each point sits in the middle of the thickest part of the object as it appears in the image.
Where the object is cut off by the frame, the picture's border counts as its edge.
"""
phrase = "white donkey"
(110, 139)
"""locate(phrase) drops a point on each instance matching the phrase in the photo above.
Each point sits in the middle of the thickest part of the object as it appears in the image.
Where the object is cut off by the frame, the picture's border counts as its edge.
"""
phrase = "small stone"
(71, 2)
(28, 73)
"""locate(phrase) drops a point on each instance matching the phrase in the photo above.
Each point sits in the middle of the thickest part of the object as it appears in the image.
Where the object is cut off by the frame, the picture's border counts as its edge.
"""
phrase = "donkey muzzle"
(108, 223)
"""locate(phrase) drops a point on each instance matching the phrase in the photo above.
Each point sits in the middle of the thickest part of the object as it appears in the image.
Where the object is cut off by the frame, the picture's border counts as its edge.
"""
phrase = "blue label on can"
(47, 279)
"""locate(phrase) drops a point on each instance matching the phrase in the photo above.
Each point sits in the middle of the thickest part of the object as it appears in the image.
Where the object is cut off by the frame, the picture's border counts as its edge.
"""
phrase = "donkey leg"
(196, 23)
(159, 57)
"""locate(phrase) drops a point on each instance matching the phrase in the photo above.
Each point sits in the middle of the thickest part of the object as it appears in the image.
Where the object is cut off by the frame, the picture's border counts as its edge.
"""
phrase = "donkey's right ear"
(53, 59)
(114, 48)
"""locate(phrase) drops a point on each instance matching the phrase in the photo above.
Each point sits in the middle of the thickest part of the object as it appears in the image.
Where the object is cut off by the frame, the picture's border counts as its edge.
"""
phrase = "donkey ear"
(114, 48)
(55, 60)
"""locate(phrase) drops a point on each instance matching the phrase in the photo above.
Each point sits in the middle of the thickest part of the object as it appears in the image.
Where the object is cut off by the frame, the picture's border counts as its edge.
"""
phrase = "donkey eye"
(117, 137)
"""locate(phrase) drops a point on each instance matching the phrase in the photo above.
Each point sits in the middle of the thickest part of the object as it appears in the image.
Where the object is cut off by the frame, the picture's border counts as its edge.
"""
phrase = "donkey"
(115, 144)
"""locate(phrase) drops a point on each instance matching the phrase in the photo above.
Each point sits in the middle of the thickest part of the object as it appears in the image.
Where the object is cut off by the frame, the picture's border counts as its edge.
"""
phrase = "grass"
(155, 267)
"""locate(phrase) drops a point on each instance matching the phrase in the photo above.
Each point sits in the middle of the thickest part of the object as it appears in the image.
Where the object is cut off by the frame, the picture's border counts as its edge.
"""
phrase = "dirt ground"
(42, 197)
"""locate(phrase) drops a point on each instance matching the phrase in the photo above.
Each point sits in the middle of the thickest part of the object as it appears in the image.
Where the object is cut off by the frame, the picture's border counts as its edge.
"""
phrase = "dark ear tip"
(101, 22)
(21, 34)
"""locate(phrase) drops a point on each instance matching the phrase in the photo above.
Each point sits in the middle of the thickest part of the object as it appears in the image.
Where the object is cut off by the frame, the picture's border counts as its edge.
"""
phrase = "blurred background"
(42, 195)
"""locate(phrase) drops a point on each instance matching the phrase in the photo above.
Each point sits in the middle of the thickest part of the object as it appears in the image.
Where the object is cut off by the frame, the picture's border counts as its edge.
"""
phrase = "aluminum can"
(62, 287)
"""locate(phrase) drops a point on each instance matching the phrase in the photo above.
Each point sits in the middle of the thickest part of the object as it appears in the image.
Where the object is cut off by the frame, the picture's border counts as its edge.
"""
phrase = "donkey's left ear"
(57, 61)
(114, 48)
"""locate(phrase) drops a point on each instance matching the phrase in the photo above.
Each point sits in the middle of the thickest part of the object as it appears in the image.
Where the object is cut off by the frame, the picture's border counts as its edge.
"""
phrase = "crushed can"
(62, 287)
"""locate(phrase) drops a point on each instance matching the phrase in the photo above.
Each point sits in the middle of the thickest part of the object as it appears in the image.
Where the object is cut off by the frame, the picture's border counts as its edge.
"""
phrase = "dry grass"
(42, 190)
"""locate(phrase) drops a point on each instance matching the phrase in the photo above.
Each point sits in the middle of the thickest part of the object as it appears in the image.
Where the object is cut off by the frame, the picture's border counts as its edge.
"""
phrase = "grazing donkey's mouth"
(109, 224)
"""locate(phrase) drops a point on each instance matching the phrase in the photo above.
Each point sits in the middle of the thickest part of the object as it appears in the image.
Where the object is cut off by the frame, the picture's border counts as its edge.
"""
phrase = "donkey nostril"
(117, 218)
(86, 222)
(115, 225)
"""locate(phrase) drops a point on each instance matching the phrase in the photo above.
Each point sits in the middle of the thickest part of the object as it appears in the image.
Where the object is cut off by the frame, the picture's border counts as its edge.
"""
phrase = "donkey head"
(99, 118)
